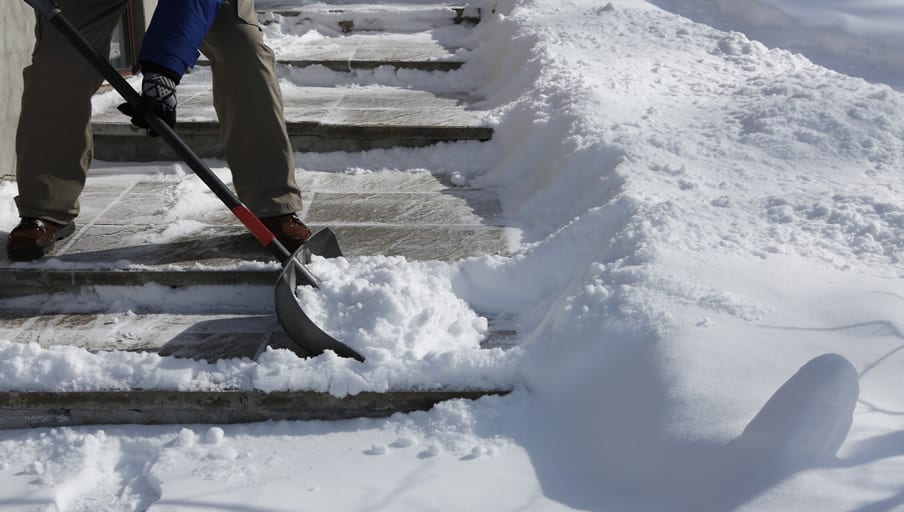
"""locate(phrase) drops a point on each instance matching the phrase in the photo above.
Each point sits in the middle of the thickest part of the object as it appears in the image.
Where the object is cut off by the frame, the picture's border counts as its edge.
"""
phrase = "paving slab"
(318, 119)
(47, 409)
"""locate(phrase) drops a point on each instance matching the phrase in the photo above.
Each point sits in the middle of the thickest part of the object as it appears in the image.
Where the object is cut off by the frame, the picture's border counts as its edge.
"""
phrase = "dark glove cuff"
(163, 70)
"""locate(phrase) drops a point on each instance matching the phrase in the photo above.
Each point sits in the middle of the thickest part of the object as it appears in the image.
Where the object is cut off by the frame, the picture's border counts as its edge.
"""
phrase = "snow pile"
(9, 214)
(30, 367)
(388, 308)
(861, 38)
(694, 204)
(273, 466)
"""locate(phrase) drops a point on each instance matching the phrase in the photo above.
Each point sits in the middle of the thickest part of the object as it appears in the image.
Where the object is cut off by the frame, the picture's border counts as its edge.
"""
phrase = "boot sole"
(41, 250)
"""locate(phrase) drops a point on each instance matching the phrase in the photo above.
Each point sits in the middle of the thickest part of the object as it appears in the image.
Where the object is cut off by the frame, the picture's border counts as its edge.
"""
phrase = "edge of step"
(28, 281)
(347, 66)
(119, 142)
(149, 407)
(459, 14)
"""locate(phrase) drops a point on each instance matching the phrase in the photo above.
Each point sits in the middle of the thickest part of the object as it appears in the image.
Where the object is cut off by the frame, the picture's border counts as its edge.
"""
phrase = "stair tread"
(169, 229)
(362, 106)
(210, 336)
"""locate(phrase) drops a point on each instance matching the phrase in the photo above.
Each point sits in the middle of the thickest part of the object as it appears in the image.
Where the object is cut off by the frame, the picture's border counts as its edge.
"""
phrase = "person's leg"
(54, 141)
(248, 102)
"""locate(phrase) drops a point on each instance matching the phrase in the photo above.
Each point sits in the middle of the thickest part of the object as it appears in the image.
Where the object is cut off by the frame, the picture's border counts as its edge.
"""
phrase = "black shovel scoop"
(310, 339)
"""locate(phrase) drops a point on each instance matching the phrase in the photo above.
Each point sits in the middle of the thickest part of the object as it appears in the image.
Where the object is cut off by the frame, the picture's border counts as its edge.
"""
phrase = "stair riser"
(363, 21)
(49, 409)
(347, 66)
(126, 145)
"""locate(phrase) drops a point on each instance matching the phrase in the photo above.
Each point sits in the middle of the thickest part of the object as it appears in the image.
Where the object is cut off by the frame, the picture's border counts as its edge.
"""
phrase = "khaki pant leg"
(249, 106)
(54, 140)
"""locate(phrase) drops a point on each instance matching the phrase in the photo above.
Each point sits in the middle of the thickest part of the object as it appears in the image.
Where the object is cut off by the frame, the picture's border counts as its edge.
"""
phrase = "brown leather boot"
(289, 230)
(34, 238)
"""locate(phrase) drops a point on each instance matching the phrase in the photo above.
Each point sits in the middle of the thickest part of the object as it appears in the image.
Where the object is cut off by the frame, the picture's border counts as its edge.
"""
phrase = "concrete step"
(106, 257)
(319, 119)
(123, 239)
(388, 17)
(58, 409)
(209, 336)
(420, 51)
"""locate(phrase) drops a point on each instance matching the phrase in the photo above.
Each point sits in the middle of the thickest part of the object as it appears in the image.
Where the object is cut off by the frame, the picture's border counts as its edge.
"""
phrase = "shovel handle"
(52, 13)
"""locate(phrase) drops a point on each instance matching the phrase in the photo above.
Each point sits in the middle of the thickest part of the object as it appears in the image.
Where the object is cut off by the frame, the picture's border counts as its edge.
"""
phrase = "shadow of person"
(875, 448)
(232, 247)
(228, 338)
(801, 426)
(613, 454)
(596, 441)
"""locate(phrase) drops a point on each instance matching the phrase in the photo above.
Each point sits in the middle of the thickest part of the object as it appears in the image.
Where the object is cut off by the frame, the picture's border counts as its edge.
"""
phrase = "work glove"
(158, 96)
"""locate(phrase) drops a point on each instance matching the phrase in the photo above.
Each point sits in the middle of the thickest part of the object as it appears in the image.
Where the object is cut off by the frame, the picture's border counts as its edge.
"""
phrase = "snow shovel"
(308, 338)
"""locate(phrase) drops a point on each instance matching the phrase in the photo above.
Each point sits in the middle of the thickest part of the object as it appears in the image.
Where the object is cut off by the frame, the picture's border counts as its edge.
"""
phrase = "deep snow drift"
(706, 293)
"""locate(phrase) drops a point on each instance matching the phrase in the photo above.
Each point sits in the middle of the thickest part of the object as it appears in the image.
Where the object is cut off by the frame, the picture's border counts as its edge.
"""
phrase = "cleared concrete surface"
(366, 51)
(17, 22)
(319, 119)
(125, 220)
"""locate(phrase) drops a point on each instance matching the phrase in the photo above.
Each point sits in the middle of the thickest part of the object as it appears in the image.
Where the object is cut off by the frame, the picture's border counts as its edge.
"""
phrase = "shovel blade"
(308, 339)
(322, 243)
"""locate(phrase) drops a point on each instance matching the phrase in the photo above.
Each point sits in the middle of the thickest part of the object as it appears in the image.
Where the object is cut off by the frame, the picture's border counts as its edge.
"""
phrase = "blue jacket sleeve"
(177, 30)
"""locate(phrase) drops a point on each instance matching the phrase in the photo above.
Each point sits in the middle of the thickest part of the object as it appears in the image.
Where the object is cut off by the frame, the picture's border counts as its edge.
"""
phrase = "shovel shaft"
(266, 237)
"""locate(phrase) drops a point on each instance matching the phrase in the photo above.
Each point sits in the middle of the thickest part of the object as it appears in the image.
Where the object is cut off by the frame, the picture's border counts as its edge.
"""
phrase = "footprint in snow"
(402, 442)
(377, 449)
(431, 451)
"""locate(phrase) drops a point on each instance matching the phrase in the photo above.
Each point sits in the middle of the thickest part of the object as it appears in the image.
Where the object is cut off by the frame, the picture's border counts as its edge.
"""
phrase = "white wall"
(16, 42)
(148, 7)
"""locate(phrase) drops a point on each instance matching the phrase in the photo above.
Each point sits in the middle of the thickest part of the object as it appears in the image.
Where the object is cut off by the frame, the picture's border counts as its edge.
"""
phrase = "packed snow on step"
(396, 18)
(706, 293)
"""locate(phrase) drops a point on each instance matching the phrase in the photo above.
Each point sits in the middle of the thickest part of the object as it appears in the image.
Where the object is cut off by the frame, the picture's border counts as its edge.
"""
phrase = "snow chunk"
(387, 307)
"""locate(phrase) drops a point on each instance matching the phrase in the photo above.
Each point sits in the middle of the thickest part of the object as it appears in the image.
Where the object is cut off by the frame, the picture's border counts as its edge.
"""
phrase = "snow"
(861, 38)
(388, 308)
(706, 292)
